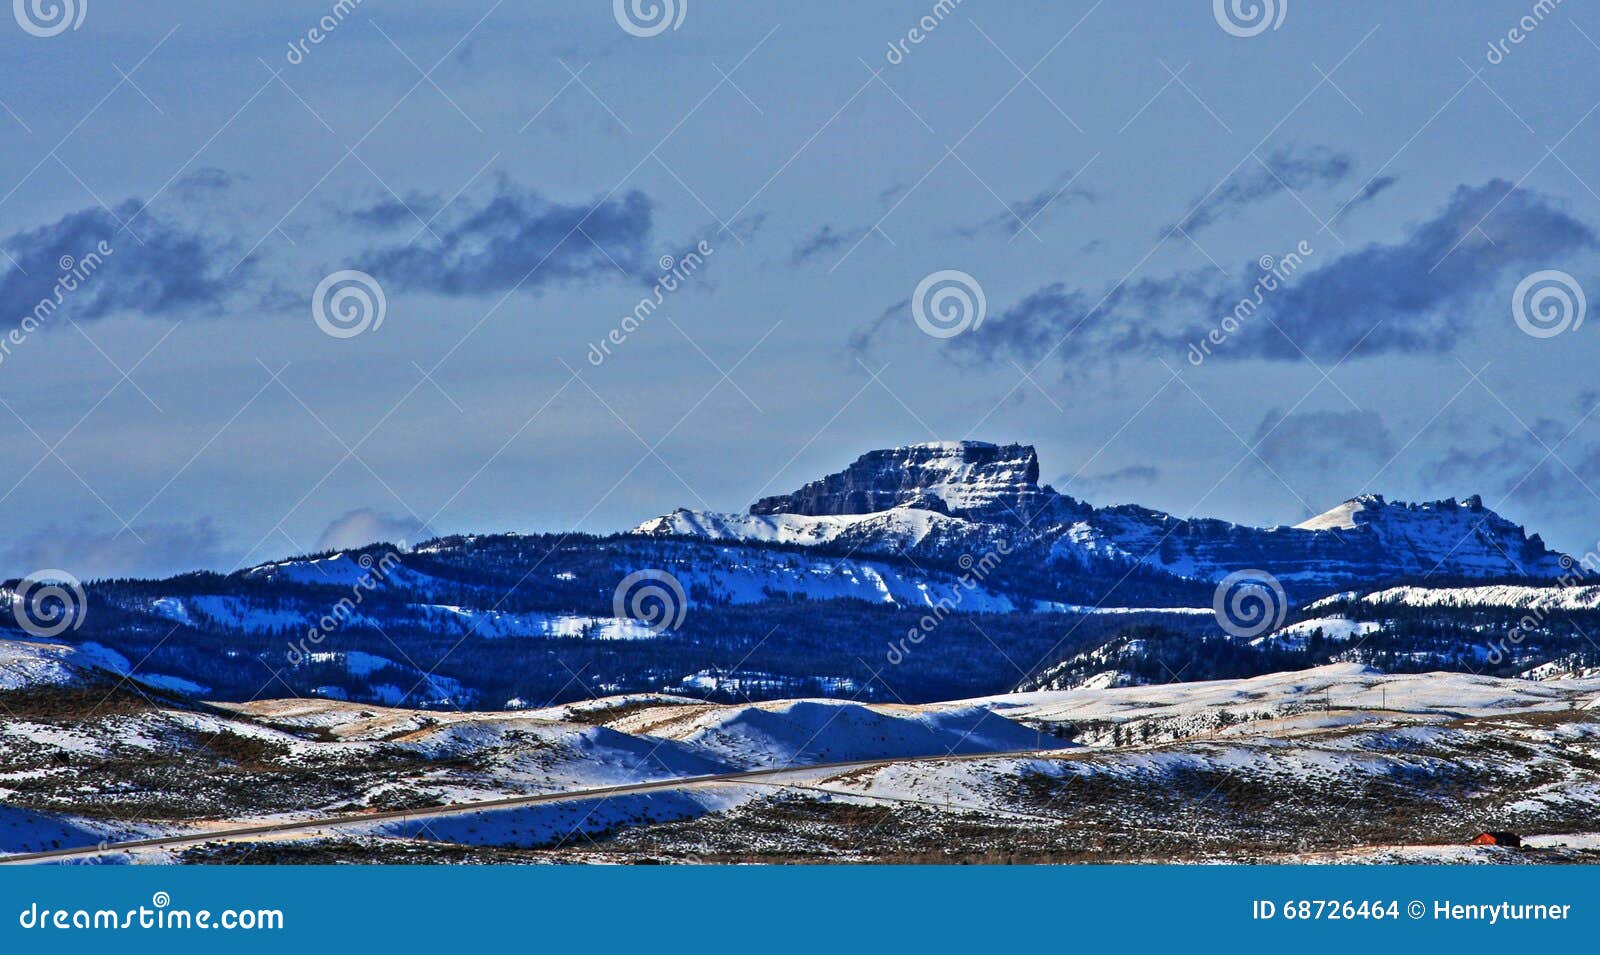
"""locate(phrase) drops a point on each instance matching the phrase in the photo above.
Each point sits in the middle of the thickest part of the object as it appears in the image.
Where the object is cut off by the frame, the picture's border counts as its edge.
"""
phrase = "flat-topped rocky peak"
(972, 479)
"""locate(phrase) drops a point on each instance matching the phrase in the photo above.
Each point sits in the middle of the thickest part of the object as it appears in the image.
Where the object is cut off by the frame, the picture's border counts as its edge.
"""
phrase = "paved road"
(459, 809)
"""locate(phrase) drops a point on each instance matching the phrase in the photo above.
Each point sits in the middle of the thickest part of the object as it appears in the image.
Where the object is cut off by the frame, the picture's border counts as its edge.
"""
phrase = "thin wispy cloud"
(1274, 174)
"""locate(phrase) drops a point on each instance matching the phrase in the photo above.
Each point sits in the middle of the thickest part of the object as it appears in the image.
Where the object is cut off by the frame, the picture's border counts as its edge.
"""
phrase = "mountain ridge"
(940, 498)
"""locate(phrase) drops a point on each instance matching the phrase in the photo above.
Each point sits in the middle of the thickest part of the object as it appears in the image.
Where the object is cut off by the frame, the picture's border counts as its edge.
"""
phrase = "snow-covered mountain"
(948, 562)
(946, 498)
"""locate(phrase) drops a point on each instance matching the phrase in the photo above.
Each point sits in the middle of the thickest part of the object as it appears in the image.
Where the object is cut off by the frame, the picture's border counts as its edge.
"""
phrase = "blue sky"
(512, 176)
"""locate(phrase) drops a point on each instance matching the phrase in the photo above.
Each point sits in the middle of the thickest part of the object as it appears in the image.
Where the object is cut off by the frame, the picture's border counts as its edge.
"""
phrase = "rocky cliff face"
(968, 479)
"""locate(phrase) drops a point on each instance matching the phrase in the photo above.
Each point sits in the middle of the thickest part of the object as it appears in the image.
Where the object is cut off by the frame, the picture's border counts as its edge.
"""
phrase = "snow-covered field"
(1355, 765)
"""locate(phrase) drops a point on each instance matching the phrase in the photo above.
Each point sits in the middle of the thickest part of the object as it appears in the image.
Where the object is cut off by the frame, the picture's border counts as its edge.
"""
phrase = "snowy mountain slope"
(1543, 599)
(25, 664)
(905, 527)
(801, 732)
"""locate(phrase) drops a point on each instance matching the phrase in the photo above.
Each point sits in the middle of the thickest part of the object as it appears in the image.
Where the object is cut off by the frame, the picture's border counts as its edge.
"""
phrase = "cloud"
(156, 267)
(1109, 482)
(364, 526)
(1418, 295)
(1368, 193)
(1322, 442)
(515, 237)
(1136, 317)
(1427, 288)
(825, 240)
(204, 182)
(91, 553)
(1284, 169)
(1512, 461)
(1023, 213)
(861, 339)
(391, 212)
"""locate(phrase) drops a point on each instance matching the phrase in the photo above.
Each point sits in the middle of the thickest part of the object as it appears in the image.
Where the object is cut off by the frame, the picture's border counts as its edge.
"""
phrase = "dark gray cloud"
(364, 526)
(482, 245)
(1322, 442)
(158, 266)
(1285, 169)
(1417, 295)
